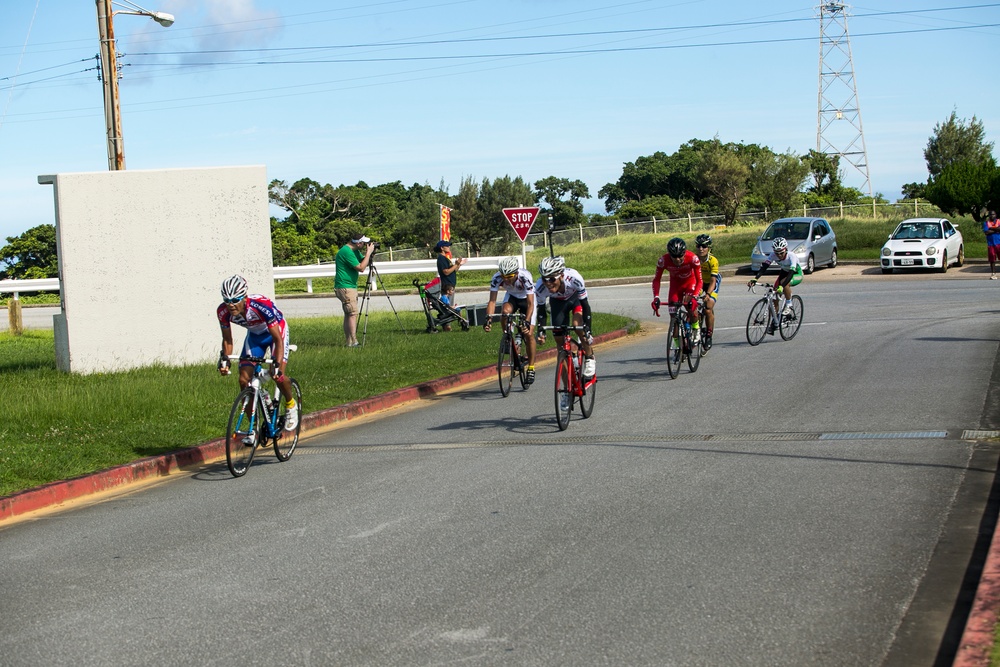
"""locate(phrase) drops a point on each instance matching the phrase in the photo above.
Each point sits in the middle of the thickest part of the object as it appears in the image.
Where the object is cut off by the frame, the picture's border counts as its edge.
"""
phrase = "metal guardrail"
(308, 271)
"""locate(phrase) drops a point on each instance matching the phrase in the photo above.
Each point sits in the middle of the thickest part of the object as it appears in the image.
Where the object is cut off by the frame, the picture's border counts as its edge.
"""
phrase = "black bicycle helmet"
(676, 247)
(703, 240)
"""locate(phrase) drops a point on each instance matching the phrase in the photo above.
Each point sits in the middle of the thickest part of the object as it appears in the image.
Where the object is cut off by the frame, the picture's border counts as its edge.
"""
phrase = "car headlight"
(886, 252)
(932, 250)
(800, 249)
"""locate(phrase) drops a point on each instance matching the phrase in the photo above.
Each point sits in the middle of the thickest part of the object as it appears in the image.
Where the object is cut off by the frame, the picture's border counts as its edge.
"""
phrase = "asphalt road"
(814, 502)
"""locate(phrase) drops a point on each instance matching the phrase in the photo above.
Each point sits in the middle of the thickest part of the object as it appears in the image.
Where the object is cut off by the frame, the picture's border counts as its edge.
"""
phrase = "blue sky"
(431, 91)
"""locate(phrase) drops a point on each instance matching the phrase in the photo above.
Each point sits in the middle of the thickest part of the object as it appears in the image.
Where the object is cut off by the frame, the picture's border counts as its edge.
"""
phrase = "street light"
(109, 71)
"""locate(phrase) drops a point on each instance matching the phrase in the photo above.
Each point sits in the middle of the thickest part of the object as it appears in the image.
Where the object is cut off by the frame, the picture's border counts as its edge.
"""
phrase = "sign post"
(521, 218)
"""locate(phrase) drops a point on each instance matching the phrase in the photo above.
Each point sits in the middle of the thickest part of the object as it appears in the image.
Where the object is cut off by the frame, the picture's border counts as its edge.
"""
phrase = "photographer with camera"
(352, 260)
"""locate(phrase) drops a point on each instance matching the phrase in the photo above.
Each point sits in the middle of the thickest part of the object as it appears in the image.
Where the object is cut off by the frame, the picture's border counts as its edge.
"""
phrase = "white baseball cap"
(363, 239)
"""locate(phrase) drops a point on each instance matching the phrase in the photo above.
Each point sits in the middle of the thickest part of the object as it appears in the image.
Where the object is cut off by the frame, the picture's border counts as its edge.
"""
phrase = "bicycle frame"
(680, 341)
(765, 313)
(511, 358)
(570, 383)
(257, 380)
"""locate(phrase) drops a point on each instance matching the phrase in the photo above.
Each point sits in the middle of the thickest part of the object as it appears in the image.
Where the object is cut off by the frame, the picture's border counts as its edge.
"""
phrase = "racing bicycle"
(570, 383)
(512, 359)
(680, 339)
(764, 314)
(258, 418)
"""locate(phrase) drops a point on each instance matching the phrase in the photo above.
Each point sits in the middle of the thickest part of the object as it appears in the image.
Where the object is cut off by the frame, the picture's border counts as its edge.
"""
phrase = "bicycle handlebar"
(259, 360)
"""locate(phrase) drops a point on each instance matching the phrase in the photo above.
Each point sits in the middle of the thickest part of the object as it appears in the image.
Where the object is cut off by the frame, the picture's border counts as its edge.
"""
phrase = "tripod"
(366, 300)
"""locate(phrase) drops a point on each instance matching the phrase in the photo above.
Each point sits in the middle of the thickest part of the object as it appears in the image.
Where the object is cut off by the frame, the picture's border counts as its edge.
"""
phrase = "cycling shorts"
(789, 278)
(256, 345)
(520, 305)
(561, 310)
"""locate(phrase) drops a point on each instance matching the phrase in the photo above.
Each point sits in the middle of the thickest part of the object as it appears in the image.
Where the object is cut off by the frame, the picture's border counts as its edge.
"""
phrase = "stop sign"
(521, 219)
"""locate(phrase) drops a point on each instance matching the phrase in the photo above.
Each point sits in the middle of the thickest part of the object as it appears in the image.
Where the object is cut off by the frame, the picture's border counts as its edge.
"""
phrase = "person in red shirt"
(684, 268)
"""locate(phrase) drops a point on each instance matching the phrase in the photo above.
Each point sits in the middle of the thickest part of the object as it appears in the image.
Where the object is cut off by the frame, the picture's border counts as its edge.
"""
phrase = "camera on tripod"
(375, 246)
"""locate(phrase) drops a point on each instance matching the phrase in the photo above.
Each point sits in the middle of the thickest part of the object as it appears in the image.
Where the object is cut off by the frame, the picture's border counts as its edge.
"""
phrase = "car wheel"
(961, 257)
(833, 259)
(810, 264)
(944, 262)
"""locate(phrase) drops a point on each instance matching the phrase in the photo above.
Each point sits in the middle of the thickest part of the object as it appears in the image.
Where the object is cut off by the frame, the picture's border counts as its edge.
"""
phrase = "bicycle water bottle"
(518, 341)
(268, 403)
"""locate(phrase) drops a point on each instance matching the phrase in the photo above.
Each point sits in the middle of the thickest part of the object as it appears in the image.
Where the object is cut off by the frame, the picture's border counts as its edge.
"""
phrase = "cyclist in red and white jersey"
(684, 268)
(566, 294)
(266, 330)
(520, 295)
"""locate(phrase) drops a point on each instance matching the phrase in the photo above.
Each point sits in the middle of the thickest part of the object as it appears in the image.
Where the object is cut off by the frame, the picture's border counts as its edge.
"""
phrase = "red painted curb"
(162, 465)
(977, 639)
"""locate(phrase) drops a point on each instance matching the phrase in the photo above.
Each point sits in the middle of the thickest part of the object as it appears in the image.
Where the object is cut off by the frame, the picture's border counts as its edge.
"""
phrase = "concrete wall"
(142, 255)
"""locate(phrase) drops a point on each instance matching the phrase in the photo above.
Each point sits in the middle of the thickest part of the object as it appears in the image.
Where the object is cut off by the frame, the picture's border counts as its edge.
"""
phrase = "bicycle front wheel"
(285, 441)
(522, 367)
(757, 322)
(674, 346)
(564, 390)
(791, 322)
(589, 392)
(505, 366)
(694, 352)
(243, 433)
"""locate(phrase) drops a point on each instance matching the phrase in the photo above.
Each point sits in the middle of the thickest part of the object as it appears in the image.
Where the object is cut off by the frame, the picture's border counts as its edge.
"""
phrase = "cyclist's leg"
(531, 334)
(709, 315)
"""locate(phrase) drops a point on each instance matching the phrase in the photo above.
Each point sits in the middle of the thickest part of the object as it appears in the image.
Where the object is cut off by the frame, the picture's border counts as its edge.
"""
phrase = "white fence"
(308, 271)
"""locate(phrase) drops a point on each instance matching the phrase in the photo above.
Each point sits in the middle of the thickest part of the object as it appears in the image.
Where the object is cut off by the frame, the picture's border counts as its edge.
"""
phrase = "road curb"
(977, 638)
(55, 493)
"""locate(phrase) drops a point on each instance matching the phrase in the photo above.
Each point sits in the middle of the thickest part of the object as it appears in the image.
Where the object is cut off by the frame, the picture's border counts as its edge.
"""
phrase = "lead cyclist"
(789, 275)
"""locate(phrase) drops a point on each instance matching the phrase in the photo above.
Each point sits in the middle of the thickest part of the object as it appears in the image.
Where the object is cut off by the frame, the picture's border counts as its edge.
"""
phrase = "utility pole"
(109, 77)
(109, 72)
(838, 117)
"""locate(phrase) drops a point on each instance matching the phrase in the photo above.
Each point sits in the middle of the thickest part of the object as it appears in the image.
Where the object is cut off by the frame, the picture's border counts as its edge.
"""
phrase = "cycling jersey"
(572, 299)
(522, 286)
(789, 263)
(261, 313)
(684, 279)
(572, 288)
(709, 268)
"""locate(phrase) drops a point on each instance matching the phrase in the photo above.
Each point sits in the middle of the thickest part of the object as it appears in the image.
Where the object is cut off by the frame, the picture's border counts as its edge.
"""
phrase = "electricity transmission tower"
(838, 117)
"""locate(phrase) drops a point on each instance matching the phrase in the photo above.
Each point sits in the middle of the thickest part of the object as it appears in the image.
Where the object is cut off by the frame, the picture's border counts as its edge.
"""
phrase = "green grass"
(58, 425)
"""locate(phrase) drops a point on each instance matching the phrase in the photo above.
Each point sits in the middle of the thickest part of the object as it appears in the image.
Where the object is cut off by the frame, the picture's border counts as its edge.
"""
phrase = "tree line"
(700, 177)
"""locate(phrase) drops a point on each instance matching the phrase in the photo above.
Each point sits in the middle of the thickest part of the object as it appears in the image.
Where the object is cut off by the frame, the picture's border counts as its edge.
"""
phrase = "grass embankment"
(58, 425)
(633, 254)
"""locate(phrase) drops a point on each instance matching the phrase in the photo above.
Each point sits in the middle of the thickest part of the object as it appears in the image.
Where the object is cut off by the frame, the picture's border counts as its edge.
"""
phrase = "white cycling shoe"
(589, 368)
(292, 418)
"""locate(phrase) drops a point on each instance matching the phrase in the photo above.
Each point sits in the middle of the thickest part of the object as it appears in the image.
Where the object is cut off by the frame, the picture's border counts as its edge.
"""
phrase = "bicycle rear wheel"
(694, 352)
(706, 343)
(757, 322)
(505, 365)
(285, 441)
(674, 345)
(790, 323)
(589, 393)
(564, 390)
(243, 426)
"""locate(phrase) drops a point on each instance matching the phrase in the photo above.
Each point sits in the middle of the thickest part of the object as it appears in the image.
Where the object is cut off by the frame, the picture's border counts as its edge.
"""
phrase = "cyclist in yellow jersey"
(711, 280)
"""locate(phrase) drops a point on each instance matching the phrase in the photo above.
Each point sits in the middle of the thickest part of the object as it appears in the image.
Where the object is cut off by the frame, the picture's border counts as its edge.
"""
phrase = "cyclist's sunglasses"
(551, 279)
(511, 276)
(236, 300)
(703, 246)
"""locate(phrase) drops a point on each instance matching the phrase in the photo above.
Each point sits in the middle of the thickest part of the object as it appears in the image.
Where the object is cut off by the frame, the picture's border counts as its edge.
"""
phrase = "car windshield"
(793, 231)
(918, 230)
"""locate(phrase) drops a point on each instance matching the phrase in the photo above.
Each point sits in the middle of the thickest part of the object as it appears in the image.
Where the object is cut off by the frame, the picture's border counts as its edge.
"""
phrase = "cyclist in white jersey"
(519, 288)
(789, 275)
(565, 293)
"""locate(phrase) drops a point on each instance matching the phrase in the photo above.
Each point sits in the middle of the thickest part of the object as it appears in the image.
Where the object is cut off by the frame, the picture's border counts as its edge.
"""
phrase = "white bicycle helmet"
(508, 265)
(234, 288)
(779, 244)
(552, 266)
